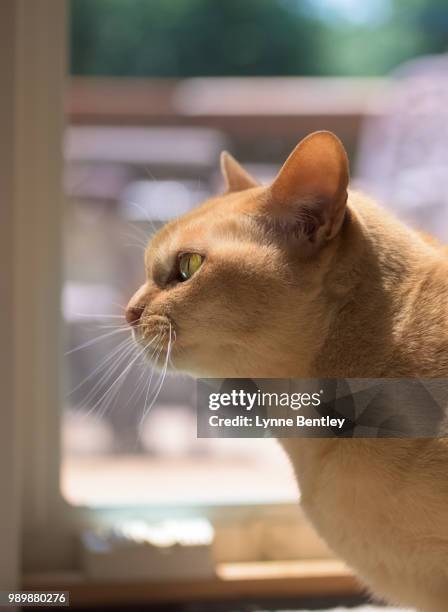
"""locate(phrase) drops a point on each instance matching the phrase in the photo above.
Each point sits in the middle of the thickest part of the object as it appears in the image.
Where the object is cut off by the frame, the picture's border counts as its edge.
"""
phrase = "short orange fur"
(307, 279)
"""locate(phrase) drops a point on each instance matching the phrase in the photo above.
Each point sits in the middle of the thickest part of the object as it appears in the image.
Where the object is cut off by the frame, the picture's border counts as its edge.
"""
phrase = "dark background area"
(183, 38)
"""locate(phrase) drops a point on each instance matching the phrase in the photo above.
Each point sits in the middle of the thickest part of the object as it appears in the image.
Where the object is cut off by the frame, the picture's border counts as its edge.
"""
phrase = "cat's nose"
(136, 306)
(133, 314)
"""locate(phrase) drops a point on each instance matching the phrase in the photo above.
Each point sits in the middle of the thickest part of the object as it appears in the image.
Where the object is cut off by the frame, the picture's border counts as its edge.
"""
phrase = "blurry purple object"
(403, 155)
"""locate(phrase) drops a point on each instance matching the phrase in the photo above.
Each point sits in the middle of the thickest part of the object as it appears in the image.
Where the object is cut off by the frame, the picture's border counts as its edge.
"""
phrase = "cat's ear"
(309, 194)
(235, 176)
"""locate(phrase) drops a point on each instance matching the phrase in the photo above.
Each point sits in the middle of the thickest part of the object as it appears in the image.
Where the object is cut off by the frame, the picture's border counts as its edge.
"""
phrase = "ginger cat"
(306, 279)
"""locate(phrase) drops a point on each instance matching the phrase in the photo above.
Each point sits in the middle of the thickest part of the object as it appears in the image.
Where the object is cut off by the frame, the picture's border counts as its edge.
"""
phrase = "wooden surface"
(286, 109)
(233, 580)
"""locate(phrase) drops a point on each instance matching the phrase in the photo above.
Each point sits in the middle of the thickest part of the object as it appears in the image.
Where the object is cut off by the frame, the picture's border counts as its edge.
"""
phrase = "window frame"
(32, 118)
(9, 435)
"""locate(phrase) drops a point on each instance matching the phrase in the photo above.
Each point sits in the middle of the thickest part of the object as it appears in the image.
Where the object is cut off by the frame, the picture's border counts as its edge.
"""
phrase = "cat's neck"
(390, 317)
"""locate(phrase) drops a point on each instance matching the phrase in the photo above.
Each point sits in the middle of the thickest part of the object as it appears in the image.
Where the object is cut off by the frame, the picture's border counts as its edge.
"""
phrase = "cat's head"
(233, 286)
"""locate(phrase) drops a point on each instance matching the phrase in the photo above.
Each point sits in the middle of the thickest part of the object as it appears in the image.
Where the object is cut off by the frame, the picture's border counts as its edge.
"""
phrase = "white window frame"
(33, 69)
(37, 527)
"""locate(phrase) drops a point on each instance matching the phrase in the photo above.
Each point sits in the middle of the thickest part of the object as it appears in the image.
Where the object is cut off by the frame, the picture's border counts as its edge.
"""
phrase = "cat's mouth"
(156, 335)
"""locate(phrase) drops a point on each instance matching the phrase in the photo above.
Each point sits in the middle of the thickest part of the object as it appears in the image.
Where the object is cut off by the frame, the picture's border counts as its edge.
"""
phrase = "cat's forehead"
(220, 215)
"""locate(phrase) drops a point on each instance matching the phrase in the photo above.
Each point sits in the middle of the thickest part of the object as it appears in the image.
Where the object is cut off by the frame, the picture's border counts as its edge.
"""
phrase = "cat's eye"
(189, 264)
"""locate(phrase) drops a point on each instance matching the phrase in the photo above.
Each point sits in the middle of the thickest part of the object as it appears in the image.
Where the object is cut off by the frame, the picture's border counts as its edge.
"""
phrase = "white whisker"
(123, 326)
(94, 341)
(141, 388)
(159, 384)
(120, 377)
(99, 316)
(126, 346)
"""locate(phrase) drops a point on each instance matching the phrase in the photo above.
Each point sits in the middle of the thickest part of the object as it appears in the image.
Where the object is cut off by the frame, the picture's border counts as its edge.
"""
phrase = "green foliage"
(189, 37)
(178, 38)
(410, 29)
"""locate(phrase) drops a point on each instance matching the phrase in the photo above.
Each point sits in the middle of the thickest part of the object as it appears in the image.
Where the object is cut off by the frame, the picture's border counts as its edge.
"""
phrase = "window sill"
(233, 580)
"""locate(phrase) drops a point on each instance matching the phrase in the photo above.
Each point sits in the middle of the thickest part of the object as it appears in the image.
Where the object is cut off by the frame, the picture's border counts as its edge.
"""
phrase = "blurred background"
(156, 90)
(153, 91)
